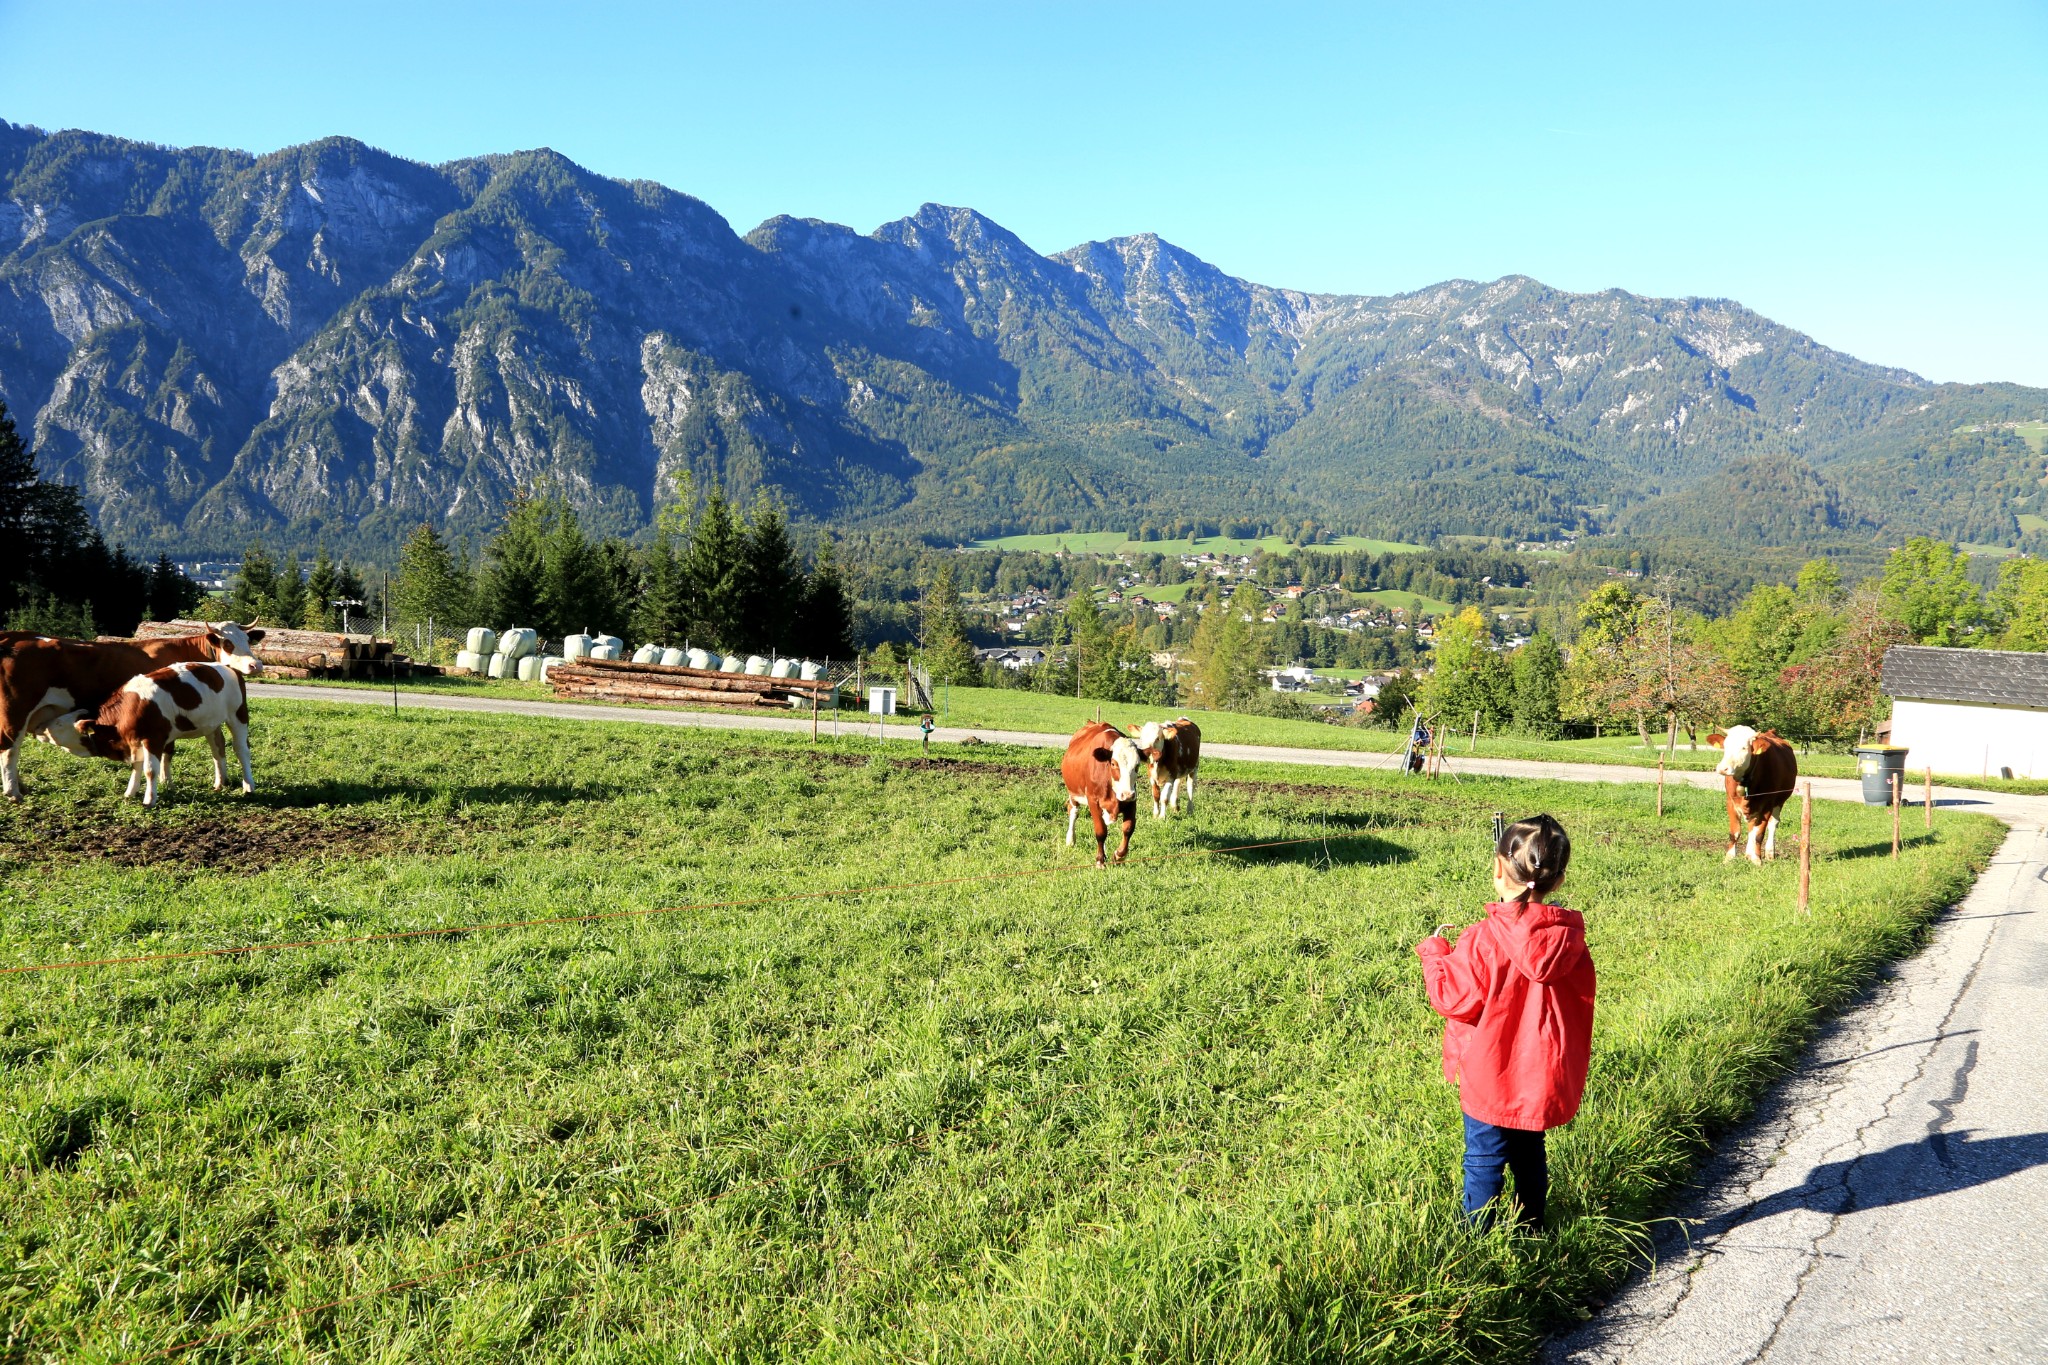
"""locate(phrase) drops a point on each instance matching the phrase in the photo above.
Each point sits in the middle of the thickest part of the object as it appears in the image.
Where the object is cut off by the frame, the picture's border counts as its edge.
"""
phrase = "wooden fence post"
(1929, 798)
(1805, 848)
(1898, 781)
(1473, 748)
(1660, 786)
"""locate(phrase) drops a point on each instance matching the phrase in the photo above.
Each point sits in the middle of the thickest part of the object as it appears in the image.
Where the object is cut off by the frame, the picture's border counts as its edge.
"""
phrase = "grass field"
(1118, 542)
(1411, 601)
(1189, 1109)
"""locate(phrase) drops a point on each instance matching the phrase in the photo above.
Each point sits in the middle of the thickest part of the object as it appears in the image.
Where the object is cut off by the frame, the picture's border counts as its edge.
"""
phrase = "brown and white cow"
(1101, 773)
(1174, 753)
(1760, 771)
(43, 678)
(139, 724)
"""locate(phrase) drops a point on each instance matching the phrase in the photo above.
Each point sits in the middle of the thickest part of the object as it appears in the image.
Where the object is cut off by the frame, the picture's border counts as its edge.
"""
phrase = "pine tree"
(255, 586)
(716, 572)
(287, 603)
(20, 502)
(511, 588)
(773, 587)
(824, 628)
(948, 657)
(433, 586)
(1226, 652)
(171, 594)
(323, 588)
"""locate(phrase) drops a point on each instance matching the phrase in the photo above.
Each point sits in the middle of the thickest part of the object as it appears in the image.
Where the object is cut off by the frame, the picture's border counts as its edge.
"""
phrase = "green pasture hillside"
(1117, 542)
(866, 1065)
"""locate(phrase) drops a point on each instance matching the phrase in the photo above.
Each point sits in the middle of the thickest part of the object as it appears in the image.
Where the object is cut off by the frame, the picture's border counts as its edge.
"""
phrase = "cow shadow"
(1938, 1164)
(1881, 849)
(330, 791)
(1336, 842)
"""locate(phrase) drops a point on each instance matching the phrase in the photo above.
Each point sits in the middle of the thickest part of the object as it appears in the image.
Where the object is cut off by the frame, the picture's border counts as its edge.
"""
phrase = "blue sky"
(1875, 175)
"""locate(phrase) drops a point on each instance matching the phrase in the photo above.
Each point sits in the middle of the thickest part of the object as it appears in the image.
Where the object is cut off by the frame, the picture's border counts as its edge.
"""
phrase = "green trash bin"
(1881, 765)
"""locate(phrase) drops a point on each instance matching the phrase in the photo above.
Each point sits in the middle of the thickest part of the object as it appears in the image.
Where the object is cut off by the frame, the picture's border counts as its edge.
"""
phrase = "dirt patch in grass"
(248, 841)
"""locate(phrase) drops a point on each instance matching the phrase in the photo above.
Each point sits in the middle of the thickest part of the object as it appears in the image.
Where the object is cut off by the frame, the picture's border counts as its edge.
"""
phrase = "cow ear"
(1103, 755)
(1717, 738)
(254, 635)
(1759, 744)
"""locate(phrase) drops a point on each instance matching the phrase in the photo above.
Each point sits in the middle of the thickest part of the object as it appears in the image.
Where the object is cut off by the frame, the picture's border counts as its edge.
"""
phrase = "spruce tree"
(323, 588)
(171, 594)
(432, 587)
(715, 570)
(511, 587)
(20, 501)
(1226, 651)
(948, 657)
(255, 586)
(824, 627)
(773, 587)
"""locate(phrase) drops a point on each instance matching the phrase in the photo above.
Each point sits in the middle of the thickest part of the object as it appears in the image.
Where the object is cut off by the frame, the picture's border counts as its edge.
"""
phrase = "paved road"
(1890, 1200)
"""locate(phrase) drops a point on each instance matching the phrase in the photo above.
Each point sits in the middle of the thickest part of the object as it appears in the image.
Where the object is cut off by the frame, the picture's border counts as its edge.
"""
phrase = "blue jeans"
(1490, 1152)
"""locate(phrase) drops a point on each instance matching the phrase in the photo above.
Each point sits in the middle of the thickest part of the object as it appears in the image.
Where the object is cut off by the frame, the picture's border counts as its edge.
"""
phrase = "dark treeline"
(57, 575)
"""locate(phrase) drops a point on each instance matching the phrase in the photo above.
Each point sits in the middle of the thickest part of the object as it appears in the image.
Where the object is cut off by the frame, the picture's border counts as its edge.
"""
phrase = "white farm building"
(1975, 712)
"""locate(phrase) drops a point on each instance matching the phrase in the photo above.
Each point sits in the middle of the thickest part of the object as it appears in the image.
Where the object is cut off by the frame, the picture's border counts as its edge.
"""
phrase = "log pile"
(619, 680)
(304, 653)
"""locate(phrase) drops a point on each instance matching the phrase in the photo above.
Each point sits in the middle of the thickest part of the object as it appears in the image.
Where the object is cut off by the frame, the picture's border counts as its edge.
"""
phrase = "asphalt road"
(1889, 1202)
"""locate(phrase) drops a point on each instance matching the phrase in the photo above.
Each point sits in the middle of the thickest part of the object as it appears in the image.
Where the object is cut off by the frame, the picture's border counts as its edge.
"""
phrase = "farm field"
(1001, 708)
(1189, 1108)
(1118, 542)
(1411, 602)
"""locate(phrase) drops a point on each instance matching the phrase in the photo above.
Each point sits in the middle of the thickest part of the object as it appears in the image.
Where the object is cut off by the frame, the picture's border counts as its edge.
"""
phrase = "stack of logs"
(619, 680)
(303, 653)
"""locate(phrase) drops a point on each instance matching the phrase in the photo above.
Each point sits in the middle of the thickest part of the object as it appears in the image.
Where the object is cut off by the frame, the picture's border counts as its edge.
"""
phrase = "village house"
(1969, 711)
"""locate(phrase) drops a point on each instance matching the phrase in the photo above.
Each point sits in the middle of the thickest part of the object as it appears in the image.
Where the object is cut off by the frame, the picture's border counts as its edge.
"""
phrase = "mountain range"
(331, 343)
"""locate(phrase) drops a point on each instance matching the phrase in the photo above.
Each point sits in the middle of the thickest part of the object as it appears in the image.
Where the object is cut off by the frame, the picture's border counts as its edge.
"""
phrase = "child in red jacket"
(1518, 994)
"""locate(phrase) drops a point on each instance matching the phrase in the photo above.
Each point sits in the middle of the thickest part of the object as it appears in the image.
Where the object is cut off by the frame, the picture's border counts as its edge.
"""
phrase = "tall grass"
(1184, 1110)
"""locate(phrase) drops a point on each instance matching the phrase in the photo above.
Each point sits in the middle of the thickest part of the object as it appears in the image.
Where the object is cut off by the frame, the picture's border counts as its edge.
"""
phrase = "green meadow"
(1014, 1108)
(1119, 542)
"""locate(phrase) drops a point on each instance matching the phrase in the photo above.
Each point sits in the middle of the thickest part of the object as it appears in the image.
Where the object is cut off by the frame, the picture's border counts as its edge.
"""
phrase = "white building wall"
(1971, 738)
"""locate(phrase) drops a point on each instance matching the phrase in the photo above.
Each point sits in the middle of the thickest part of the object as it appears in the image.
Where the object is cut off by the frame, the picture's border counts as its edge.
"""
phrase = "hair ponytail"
(1536, 851)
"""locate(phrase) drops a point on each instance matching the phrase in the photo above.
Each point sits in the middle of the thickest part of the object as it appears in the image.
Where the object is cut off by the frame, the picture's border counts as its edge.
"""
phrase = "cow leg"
(1159, 796)
(1771, 837)
(218, 745)
(134, 778)
(1754, 830)
(1073, 809)
(146, 766)
(1734, 818)
(1188, 782)
(1129, 823)
(10, 778)
(1096, 817)
(241, 730)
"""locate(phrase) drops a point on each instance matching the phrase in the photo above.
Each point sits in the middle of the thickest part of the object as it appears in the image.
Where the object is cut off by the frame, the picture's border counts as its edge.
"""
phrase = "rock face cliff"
(331, 342)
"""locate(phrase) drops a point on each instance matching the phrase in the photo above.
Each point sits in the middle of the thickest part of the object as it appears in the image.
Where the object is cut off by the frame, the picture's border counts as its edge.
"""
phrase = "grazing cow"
(42, 678)
(1101, 773)
(1760, 771)
(138, 724)
(1174, 752)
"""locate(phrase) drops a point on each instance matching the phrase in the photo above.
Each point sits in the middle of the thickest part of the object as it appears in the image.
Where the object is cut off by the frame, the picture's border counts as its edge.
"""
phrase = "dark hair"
(1537, 851)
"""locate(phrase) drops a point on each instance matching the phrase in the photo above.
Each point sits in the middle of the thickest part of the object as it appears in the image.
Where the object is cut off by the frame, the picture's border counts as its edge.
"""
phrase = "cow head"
(1148, 738)
(1736, 747)
(80, 733)
(235, 646)
(1123, 764)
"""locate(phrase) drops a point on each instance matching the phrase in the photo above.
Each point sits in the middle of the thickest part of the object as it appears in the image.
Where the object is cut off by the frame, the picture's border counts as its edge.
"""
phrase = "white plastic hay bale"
(604, 650)
(482, 641)
(673, 658)
(466, 659)
(757, 666)
(529, 668)
(700, 658)
(576, 647)
(494, 667)
(518, 642)
(548, 664)
(647, 654)
(732, 663)
(812, 672)
(617, 646)
(784, 668)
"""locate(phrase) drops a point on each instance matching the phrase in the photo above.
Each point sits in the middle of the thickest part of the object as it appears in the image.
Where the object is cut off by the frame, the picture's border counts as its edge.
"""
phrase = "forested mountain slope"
(331, 342)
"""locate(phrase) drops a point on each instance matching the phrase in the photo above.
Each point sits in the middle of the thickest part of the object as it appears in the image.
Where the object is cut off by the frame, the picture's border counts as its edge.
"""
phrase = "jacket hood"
(1545, 942)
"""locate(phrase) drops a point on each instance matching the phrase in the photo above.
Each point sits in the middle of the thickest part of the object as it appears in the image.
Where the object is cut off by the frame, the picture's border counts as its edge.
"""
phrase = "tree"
(323, 588)
(433, 585)
(171, 594)
(1539, 687)
(1927, 587)
(948, 657)
(774, 588)
(511, 587)
(824, 621)
(716, 569)
(1226, 652)
(2019, 604)
(255, 585)
(1839, 691)
(662, 612)
(1088, 644)
(1470, 676)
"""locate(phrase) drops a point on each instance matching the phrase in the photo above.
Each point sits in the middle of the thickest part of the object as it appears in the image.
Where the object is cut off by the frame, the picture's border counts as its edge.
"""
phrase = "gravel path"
(1889, 1202)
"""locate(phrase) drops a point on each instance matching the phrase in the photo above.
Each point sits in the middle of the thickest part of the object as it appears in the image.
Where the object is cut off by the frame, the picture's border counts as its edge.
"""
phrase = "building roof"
(1998, 677)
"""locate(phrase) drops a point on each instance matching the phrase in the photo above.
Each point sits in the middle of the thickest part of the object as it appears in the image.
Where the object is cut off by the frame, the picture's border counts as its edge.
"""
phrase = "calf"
(138, 724)
(43, 678)
(1174, 752)
(1101, 773)
(1760, 771)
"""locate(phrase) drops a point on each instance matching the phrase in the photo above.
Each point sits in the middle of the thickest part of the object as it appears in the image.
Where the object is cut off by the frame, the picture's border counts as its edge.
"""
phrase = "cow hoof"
(1755, 861)
(1729, 856)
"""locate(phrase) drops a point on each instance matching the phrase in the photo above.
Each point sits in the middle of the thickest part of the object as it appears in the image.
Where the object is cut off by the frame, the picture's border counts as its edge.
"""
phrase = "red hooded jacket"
(1518, 992)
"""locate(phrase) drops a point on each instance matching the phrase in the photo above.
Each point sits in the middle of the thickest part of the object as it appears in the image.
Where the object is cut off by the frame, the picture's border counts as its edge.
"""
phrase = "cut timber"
(667, 696)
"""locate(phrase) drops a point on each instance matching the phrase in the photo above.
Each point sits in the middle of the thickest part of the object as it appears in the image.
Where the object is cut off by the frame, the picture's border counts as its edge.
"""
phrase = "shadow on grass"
(1334, 844)
(344, 792)
(1881, 849)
